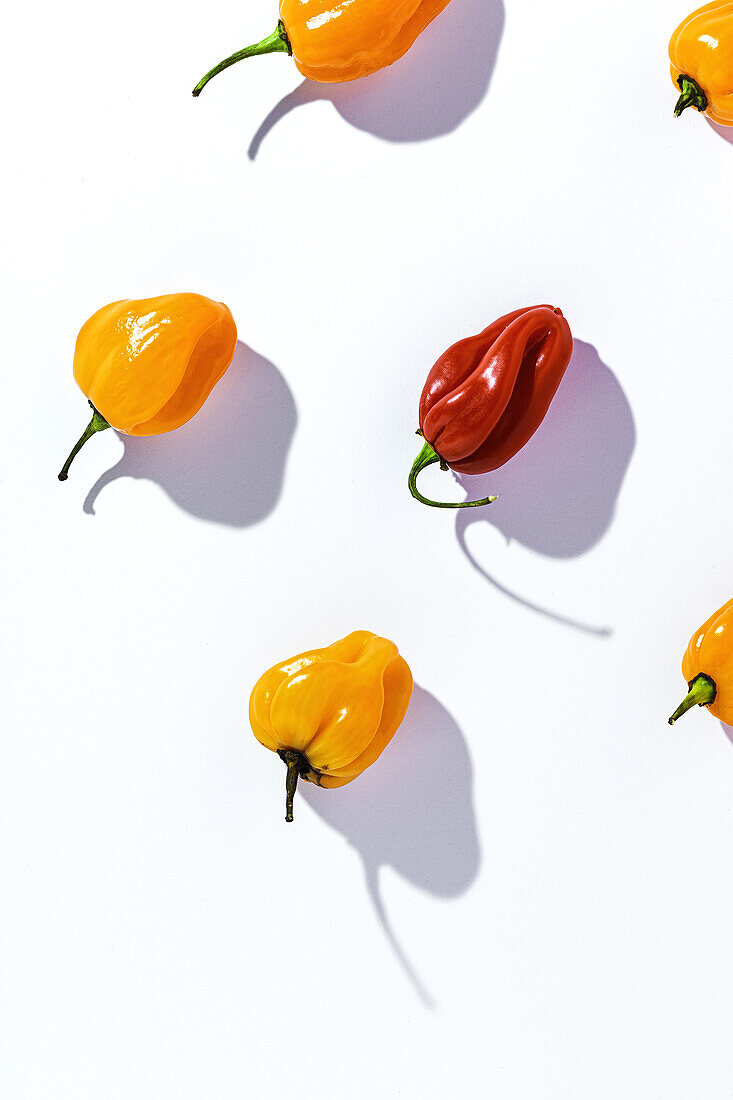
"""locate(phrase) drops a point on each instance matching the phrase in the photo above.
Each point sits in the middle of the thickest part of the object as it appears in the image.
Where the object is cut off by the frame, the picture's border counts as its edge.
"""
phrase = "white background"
(529, 896)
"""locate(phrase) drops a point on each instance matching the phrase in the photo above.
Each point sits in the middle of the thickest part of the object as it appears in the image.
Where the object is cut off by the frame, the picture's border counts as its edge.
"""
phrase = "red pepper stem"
(703, 690)
(692, 95)
(96, 424)
(427, 457)
(297, 765)
(277, 42)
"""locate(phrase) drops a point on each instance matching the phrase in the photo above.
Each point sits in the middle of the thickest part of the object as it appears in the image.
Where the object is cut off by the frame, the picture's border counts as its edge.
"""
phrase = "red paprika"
(488, 394)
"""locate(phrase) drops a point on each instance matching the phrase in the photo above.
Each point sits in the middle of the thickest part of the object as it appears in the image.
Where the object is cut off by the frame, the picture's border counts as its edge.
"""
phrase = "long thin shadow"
(558, 496)
(427, 93)
(413, 811)
(564, 620)
(371, 875)
(307, 92)
(227, 464)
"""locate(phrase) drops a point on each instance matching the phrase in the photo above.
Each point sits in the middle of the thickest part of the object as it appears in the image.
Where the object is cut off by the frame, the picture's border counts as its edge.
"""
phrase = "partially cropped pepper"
(701, 56)
(147, 366)
(332, 41)
(329, 713)
(488, 394)
(708, 667)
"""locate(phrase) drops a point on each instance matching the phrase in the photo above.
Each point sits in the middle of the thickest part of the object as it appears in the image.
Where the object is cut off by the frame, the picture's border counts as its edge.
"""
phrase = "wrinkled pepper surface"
(701, 56)
(488, 394)
(147, 366)
(708, 667)
(329, 713)
(332, 41)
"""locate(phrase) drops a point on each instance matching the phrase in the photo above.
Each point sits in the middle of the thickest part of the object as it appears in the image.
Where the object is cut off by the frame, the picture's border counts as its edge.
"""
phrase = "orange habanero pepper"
(708, 667)
(701, 55)
(329, 713)
(147, 366)
(332, 41)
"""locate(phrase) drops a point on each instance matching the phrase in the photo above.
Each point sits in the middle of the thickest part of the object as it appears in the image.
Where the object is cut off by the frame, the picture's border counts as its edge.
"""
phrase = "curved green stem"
(96, 424)
(692, 95)
(702, 693)
(277, 42)
(297, 765)
(427, 457)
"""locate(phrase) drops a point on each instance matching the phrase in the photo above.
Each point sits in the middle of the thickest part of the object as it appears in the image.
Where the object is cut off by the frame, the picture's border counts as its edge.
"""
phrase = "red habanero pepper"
(488, 394)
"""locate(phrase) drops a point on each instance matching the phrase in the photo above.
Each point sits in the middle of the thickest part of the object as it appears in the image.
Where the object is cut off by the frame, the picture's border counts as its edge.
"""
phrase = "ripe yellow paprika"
(708, 667)
(332, 41)
(701, 56)
(147, 366)
(329, 713)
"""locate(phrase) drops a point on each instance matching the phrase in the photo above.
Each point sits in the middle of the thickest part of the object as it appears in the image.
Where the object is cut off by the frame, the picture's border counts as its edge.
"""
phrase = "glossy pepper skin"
(332, 41)
(148, 365)
(701, 56)
(488, 394)
(708, 667)
(329, 713)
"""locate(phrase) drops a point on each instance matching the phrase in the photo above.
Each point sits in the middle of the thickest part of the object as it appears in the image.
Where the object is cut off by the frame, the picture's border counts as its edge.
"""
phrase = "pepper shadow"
(427, 93)
(725, 132)
(558, 495)
(227, 464)
(413, 811)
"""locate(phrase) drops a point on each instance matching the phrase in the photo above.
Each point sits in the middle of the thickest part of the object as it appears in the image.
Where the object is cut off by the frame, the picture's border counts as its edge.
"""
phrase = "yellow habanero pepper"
(701, 53)
(147, 366)
(332, 41)
(329, 713)
(708, 667)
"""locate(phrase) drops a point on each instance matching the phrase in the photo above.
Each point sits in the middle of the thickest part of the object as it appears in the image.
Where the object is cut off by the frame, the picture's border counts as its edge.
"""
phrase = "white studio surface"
(530, 896)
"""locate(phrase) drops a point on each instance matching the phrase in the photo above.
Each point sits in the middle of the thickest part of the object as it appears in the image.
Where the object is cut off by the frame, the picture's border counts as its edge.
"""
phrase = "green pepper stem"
(277, 42)
(692, 95)
(297, 765)
(427, 457)
(702, 693)
(96, 424)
